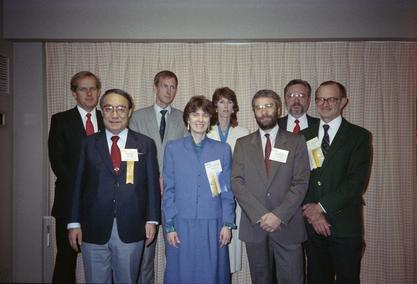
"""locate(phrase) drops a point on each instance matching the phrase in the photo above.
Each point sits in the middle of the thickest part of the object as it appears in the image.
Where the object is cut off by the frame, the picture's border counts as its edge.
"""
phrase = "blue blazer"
(100, 195)
(187, 192)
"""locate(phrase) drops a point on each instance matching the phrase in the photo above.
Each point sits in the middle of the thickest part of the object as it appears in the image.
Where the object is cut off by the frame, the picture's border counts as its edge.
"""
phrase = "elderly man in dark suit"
(333, 204)
(269, 178)
(297, 95)
(116, 196)
(67, 130)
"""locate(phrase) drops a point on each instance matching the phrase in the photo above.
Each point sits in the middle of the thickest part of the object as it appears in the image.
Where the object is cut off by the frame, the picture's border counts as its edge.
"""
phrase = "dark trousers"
(333, 260)
(66, 257)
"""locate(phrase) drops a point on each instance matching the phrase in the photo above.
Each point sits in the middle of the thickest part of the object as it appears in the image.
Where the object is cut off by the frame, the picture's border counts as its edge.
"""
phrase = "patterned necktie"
(267, 153)
(89, 128)
(296, 127)
(325, 143)
(116, 157)
(162, 125)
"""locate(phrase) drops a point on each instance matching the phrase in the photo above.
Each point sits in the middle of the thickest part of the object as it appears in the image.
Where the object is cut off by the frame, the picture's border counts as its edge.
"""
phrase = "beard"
(296, 112)
(266, 121)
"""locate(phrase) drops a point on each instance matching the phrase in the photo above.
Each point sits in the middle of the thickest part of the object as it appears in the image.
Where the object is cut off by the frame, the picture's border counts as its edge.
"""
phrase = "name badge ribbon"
(213, 170)
(130, 156)
(315, 154)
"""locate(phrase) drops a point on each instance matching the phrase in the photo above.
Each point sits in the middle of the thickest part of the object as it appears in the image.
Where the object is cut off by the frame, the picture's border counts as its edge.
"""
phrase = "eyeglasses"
(120, 110)
(329, 100)
(296, 95)
(85, 90)
(265, 106)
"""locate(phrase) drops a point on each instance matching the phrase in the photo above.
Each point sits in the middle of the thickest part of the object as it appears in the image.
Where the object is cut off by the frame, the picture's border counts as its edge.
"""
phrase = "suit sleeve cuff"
(322, 208)
(73, 226)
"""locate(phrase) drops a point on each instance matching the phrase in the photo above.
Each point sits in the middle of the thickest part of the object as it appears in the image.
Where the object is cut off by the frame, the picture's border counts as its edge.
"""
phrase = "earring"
(188, 126)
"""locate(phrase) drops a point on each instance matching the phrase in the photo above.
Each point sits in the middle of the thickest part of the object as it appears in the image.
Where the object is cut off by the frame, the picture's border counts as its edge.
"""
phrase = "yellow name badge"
(315, 154)
(213, 169)
(130, 156)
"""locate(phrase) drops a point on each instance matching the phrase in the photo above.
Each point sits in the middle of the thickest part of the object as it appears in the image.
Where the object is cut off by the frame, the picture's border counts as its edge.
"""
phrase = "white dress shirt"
(158, 113)
(333, 128)
(291, 122)
(272, 135)
(93, 117)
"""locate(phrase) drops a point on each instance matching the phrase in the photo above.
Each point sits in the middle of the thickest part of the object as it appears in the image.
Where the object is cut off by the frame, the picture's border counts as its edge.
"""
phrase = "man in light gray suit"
(162, 123)
(270, 176)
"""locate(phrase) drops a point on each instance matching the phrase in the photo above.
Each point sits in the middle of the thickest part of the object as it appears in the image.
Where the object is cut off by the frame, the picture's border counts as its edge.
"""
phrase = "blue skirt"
(199, 258)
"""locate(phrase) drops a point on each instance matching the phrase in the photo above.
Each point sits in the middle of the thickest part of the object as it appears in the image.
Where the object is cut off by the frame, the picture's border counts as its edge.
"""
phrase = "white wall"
(210, 19)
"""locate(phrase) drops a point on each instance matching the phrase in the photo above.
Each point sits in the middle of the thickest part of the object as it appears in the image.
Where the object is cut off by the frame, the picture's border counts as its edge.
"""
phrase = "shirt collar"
(334, 124)
(272, 133)
(83, 112)
(300, 119)
(122, 135)
(158, 109)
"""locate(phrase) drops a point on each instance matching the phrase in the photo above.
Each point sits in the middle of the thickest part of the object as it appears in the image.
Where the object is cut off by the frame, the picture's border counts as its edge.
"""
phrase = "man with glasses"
(297, 94)
(116, 198)
(270, 175)
(333, 207)
(162, 123)
(67, 130)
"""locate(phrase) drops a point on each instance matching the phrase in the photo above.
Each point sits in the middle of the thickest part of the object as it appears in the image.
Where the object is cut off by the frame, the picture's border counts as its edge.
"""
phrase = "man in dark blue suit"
(68, 129)
(116, 196)
(297, 96)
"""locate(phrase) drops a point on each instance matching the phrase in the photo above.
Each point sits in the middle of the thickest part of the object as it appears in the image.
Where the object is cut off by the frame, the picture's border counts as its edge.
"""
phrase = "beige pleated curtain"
(381, 79)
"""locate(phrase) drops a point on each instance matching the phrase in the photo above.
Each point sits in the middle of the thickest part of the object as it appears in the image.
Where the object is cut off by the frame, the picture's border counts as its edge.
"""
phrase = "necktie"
(267, 153)
(296, 127)
(325, 143)
(89, 128)
(162, 125)
(116, 157)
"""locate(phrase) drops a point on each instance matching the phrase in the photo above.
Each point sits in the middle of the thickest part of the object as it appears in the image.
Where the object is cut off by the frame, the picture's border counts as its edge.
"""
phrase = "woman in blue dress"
(198, 205)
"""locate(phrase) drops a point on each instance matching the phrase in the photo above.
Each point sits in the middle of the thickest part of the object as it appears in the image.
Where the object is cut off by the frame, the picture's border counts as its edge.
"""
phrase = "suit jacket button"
(268, 194)
(319, 183)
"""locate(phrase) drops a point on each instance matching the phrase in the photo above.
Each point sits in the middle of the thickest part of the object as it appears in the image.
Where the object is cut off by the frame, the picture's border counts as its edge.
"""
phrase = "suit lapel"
(280, 143)
(338, 141)
(103, 150)
(311, 132)
(152, 126)
(256, 152)
(312, 121)
(100, 123)
(170, 125)
(77, 122)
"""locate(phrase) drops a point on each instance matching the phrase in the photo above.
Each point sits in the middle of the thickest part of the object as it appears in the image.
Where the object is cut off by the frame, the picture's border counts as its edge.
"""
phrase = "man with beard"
(297, 95)
(270, 176)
